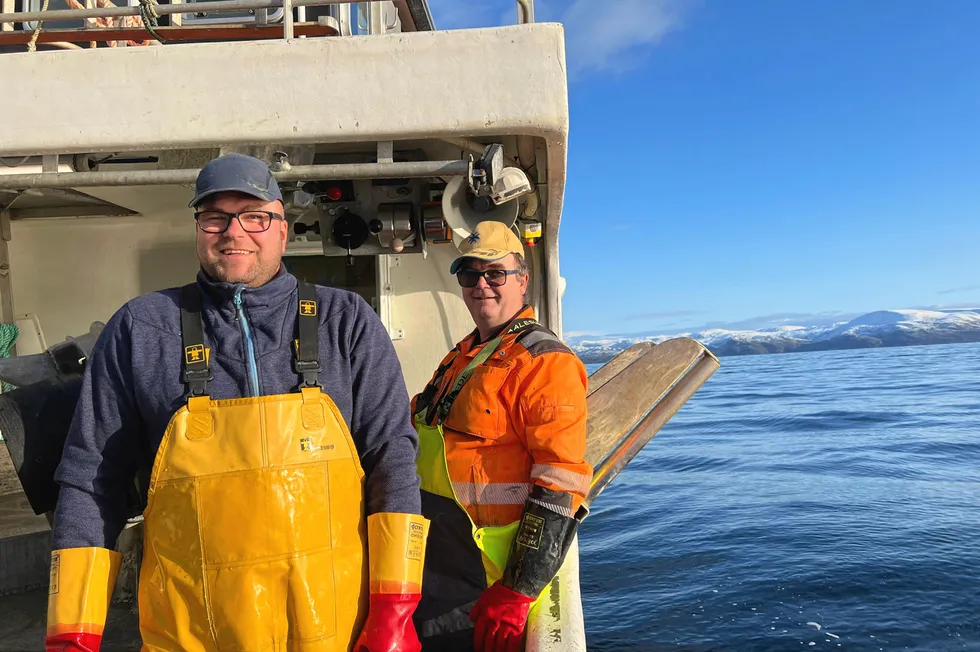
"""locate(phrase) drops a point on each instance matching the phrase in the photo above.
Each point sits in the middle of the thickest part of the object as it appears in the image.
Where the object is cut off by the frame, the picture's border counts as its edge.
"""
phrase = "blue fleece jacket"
(132, 387)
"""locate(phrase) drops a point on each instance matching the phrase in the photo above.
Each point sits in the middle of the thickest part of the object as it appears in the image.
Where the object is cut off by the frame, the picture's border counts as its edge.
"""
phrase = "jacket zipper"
(253, 368)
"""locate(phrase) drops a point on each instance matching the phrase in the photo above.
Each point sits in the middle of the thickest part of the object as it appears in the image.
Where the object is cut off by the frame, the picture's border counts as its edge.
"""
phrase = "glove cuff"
(79, 593)
(540, 545)
(396, 552)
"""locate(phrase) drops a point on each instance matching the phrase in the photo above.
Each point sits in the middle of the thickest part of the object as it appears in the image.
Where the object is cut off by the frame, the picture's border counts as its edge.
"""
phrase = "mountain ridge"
(879, 328)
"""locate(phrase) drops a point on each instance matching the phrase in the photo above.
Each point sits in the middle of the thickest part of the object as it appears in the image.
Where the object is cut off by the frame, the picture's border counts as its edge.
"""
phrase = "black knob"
(350, 231)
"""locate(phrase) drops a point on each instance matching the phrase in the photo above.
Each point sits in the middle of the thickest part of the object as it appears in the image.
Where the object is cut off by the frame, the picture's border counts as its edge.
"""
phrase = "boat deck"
(25, 554)
(25, 546)
(23, 619)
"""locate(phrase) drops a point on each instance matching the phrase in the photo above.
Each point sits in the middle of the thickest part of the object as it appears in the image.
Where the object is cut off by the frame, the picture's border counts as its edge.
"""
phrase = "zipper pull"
(237, 300)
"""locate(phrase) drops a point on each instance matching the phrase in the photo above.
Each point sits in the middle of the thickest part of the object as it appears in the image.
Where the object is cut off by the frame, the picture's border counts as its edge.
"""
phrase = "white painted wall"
(427, 305)
(71, 272)
(413, 85)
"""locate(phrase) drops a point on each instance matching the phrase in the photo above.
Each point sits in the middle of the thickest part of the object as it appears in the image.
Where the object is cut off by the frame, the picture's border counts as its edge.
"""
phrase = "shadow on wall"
(439, 298)
(167, 265)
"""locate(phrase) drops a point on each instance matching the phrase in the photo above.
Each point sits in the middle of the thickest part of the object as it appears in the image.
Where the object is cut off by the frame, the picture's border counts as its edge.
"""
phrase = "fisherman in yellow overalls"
(283, 502)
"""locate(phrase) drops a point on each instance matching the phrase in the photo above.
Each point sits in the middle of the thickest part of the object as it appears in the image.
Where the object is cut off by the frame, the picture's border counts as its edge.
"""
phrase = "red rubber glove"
(389, 626)
(500, 616)
(76, 642)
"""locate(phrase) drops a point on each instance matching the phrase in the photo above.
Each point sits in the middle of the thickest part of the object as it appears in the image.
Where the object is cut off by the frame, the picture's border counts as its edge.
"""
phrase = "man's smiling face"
(237, 255)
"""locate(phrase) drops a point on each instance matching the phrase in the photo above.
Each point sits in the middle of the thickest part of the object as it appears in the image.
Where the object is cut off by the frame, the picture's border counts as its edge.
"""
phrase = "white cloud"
(965, 288)
(604, 36)
(616, 37)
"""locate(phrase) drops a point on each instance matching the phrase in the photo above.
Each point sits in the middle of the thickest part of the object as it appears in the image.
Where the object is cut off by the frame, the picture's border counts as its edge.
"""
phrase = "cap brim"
(264, 196)
(481, 254)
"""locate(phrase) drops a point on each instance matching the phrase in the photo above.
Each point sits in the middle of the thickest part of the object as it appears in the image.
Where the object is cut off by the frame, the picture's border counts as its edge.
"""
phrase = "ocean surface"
(803, 501)
(806, 501)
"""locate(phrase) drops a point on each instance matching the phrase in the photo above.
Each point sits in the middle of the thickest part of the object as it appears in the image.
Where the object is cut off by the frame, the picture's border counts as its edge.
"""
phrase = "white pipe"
(287, 19)
(525, 11)
(411, 169)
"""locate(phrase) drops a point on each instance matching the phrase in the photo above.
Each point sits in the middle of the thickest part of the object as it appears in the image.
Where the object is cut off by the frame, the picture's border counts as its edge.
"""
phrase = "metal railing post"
(287, 19)
(525, 11)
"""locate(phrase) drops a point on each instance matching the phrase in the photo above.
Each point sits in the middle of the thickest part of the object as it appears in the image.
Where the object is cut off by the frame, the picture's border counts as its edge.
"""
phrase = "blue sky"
(735, 159)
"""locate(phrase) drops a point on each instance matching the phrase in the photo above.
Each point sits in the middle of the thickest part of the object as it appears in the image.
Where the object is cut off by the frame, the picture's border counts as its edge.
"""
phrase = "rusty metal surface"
(608, 371)
(631, 393)
(678, 388)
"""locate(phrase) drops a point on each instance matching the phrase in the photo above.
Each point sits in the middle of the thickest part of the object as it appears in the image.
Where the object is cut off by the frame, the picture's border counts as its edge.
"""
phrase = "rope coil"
(149, 16)
(148, 19)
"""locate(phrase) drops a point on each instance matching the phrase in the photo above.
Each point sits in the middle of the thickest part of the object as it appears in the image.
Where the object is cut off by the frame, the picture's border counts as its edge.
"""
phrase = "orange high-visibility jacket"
(519, 420)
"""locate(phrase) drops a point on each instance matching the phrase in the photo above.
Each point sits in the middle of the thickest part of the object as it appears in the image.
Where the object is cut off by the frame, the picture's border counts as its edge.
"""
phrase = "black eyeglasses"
(251, 221)
(468, 278)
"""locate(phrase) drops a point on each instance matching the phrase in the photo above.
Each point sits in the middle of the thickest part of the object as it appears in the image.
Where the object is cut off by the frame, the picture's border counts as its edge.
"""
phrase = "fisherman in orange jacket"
(502, 428)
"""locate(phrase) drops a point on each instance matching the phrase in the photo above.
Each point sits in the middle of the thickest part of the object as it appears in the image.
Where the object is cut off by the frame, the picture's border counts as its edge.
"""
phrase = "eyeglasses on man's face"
(468, 278)
(212, 221)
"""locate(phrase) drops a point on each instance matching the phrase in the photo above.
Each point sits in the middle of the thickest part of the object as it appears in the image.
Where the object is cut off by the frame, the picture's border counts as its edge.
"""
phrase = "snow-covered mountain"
(874, 329)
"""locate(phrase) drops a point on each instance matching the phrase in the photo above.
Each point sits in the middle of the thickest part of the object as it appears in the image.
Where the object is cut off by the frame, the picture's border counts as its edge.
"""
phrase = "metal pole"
(6, 286)
(376, 18)
(163, 10)
(525, 11)
(412, 169)
(6, 6)
(287, 19)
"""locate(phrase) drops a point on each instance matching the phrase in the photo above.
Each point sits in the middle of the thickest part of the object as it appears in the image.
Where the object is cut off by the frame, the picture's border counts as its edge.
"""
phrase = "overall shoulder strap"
(446, 404)
(429, 392)
(196, 372)
(307, 362)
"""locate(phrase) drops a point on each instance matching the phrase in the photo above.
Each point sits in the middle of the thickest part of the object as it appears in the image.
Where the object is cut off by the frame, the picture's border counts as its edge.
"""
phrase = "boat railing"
(72, 24)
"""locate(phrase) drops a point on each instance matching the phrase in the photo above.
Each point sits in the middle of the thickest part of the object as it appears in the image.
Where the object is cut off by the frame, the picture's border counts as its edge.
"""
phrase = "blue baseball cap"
(236, 173)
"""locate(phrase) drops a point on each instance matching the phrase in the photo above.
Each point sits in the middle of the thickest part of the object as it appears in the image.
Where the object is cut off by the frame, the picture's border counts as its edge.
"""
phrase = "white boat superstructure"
(381, 130)
(397, 105)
